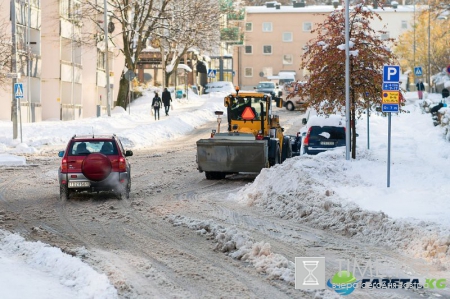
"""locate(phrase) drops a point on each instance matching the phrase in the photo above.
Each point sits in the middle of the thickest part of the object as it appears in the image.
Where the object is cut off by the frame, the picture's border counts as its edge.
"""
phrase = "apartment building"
(61, 60)
(275, 36)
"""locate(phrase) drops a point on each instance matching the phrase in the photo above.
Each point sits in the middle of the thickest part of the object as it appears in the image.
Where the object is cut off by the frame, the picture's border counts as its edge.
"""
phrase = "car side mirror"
(128, 153)
(61, 154)
(304, 121)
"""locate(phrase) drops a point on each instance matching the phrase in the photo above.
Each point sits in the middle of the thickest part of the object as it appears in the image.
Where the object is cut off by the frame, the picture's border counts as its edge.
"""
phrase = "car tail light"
(122, 164)
(306, 141)
(64, 166)
(259, 136)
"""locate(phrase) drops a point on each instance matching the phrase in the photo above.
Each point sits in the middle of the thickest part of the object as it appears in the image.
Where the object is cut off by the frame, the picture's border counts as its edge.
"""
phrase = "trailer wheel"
(212, 175)
(286, 152)
(276, 159)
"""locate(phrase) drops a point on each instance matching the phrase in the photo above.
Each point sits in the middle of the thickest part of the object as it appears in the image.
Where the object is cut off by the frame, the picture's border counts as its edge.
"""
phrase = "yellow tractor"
(254, 139)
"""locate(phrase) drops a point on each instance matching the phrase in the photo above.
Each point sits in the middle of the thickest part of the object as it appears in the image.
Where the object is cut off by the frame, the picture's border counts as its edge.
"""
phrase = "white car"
(322, 133)
(219, 86)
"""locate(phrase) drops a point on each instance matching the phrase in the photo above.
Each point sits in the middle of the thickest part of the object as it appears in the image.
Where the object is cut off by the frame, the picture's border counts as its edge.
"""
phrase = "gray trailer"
(218, 156)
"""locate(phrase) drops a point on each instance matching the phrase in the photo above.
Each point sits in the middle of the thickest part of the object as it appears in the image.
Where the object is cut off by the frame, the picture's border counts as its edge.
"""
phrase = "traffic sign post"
(212, 73)
(418, 71)
(18, 90)
(390, 102)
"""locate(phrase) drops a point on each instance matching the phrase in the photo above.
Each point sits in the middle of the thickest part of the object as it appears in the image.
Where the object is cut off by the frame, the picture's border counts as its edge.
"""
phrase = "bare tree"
(324, 59)
(5, 51)
(137, 21)
(189, 24)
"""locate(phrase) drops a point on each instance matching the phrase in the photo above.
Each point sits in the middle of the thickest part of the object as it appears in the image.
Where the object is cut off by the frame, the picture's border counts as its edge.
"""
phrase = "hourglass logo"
(310, 273)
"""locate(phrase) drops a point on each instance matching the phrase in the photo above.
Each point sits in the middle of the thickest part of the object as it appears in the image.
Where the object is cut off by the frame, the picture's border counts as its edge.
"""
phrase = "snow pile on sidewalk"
(73, 275)
(306, 190)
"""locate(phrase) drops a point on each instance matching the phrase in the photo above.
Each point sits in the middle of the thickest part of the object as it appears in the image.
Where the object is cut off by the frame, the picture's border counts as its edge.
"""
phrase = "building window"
(288, 59)
(70, 9)
(384, 36)
(101, 61)
(248, 50)
(267, 71)
(305, 49)
(248, 27)
(248, 72)
(307, 26)
(267, 49)
(287, 36)
(404, 25)
(267, 27)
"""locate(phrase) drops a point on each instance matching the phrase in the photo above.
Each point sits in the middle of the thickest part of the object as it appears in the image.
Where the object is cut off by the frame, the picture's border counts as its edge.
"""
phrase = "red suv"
(94, 163)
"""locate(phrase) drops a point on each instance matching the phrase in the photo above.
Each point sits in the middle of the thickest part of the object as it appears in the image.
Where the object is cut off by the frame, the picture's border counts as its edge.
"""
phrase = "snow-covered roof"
(326, 8)
(322, 120)
(184, 66)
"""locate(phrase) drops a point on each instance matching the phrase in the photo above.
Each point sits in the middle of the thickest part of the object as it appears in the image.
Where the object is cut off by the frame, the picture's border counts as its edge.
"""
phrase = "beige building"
(61, 61)
(275, 35)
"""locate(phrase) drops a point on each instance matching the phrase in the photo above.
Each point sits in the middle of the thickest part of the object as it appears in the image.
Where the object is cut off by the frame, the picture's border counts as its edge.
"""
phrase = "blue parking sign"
(391, 74)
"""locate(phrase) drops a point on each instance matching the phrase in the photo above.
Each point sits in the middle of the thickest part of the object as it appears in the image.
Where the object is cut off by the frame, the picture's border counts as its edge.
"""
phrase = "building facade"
(62, 69)
(275, 37)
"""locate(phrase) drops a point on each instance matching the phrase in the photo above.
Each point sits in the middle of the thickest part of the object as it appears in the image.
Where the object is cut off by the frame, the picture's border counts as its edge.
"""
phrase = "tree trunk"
(122, 96)
(168, 78)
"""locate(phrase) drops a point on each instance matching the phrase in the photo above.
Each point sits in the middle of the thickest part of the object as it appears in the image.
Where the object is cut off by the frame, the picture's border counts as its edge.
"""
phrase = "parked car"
(94, 163)
(219, 86)
(292, 101)
(322, 133)
(270, 88)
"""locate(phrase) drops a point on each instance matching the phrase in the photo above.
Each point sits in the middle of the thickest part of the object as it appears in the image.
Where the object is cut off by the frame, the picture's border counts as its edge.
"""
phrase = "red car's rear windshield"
(105, 147)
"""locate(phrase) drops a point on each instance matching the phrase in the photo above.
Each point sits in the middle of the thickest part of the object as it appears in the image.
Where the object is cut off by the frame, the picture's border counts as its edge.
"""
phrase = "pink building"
(275, 36)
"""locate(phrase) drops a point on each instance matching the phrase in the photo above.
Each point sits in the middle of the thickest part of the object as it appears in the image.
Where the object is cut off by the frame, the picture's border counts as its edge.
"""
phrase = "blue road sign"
(389, 107)
(418, 71)
(391, 74)
(18, 90)
(391, 86)
(212, 73)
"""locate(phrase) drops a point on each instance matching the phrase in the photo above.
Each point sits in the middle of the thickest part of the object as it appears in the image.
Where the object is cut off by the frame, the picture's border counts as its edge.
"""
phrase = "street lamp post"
(105, 31)
(429, 47)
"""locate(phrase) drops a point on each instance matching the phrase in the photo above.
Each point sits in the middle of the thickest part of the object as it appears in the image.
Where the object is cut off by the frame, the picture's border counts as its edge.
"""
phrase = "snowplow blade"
(231, 156)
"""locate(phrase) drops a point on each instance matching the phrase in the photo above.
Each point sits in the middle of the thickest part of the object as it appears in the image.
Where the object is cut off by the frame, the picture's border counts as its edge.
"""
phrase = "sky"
(327, 184)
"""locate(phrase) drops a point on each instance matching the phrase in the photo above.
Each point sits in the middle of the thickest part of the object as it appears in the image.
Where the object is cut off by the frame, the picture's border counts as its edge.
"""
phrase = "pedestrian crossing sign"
(418, 71)
(212, 73)
(18, 90)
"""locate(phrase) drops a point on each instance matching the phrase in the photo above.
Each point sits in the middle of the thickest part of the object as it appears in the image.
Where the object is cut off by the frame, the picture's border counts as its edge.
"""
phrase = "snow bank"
(313, 199)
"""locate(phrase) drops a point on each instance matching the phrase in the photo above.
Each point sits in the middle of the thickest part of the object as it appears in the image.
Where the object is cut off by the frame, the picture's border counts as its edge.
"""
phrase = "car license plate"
(326, 143)
(79, 184)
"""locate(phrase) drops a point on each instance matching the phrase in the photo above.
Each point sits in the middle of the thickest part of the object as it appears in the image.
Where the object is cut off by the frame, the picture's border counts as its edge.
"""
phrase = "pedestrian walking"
(420, 89)
(156, 104)
(166, 99)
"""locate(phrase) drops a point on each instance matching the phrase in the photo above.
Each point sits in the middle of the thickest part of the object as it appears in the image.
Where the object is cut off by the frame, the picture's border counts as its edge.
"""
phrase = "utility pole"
(429, 44)
(29, 61)
(105, 29)
(13, 67)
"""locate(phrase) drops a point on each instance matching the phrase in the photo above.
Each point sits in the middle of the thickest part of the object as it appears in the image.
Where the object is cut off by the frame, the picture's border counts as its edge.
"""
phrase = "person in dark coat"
(166, 98)
(156, 104)
(420, 89)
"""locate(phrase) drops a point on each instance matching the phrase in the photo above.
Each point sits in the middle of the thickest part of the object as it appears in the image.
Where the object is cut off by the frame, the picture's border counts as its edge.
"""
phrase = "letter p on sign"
(391, 73)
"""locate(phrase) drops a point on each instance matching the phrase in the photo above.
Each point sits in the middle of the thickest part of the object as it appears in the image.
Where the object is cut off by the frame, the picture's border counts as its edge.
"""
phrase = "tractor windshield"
(247, 108)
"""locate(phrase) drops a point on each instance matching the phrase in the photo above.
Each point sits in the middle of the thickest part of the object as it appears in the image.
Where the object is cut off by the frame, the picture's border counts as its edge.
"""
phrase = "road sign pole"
(13, 67)
(390, 103)
(389, 152)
